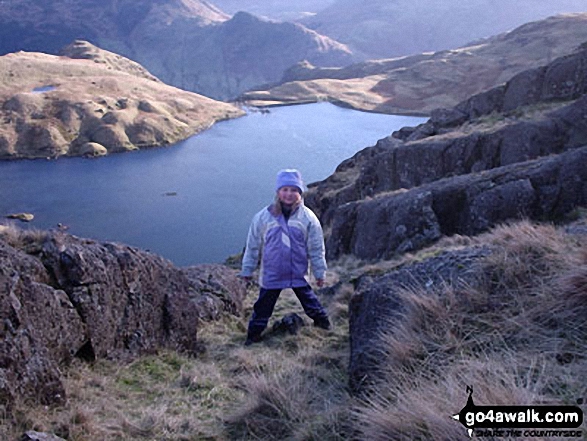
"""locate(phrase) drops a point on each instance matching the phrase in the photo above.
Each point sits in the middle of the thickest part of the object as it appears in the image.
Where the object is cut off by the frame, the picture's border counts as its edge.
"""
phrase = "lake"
(191, 202)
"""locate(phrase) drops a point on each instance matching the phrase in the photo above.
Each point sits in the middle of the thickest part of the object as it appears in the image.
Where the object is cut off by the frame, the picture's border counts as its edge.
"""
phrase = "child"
(284, 236)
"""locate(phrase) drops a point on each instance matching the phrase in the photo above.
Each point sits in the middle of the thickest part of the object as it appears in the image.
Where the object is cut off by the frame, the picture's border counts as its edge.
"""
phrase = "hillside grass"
(518, 337)
(286, 387)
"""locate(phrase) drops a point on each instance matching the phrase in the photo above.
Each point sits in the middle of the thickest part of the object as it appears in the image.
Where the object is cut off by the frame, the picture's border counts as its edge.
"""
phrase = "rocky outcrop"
(63, 297)
(392, 224)
(215, 290)
(565, 79)
(95, 104)
(83, 50)
(418, 84)
(466, 169)
(284, 10)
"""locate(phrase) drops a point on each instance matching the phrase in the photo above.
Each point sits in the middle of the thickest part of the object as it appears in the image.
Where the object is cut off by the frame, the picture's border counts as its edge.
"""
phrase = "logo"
(528, 421)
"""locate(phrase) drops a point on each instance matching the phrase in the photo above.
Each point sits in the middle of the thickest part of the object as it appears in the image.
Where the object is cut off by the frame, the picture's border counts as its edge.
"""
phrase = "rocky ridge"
(466, 169)
(418, 84)
(94, 103)
(39, 26)
(284, 10)
(63, 297)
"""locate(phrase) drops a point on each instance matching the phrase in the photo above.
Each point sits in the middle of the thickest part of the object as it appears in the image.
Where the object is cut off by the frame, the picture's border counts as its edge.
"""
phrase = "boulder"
(63, 297)
(216, 289)
(92, 149)
(33, 435)
(24, 217)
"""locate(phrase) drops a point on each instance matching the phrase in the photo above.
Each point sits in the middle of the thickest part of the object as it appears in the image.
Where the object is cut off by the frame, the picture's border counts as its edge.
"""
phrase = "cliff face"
(186, 43)
(94, 103)
(63, 297)
(418, 84)
(467, 169)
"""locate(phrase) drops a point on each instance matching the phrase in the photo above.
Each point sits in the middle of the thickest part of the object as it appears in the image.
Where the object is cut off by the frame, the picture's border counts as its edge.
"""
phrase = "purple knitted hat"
(290, 177)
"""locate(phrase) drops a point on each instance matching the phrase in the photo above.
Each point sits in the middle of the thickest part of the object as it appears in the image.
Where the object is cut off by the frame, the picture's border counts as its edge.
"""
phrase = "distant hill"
(391, 28)
(38, 25)
(285, 10)
(226, 59)
(186, 43)
(420, 83)
(94, 103)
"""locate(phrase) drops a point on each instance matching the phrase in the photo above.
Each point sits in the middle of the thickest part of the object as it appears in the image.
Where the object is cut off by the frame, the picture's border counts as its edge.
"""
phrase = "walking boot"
(322, 323)
(252, 339)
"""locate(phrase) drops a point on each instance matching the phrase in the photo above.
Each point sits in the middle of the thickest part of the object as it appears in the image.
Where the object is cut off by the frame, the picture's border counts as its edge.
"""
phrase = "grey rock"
(458, 150)
(391, 224)
(32, 435)
(216, 289)
(63, 297)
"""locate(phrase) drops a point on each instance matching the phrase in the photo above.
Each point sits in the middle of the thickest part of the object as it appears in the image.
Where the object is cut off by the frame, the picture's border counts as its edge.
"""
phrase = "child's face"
(288, 195)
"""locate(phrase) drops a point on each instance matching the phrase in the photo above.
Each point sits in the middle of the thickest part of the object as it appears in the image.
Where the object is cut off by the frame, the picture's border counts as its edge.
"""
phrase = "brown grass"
(27, 240)
(287, 387)
(518, 336)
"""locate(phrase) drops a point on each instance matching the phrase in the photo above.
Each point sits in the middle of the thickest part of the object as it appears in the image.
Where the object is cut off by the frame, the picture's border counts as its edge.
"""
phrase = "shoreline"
(268, 104)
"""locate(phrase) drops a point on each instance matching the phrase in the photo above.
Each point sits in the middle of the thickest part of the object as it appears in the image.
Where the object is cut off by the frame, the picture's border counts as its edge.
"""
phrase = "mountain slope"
(285, 10)
(420, 83)
(384, 28)
(224, 60)
(41, 26)
(52, 106)
(186, 43)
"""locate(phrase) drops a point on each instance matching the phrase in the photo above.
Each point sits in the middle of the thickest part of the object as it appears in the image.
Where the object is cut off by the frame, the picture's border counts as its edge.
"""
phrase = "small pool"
(43, 89)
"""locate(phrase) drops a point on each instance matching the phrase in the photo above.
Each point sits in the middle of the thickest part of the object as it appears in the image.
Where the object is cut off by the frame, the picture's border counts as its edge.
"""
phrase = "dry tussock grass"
(287, 387)
(28, 240)
(518, 336)
(299, 401)
(294, 387)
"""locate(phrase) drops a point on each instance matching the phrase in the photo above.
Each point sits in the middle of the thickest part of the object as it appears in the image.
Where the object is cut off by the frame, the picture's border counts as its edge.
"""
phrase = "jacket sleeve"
(253, 247)
(316, 248)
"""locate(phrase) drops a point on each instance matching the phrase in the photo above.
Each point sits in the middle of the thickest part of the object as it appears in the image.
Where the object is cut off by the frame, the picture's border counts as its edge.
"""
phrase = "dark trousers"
(265, 304)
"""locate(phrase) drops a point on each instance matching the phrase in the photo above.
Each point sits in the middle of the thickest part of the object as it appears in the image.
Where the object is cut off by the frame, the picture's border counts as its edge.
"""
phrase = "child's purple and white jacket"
(285, 247)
